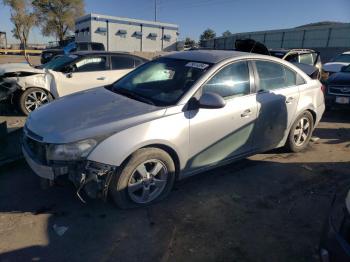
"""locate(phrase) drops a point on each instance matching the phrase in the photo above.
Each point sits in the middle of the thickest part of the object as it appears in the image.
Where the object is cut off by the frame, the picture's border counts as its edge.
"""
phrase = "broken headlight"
(72, 151)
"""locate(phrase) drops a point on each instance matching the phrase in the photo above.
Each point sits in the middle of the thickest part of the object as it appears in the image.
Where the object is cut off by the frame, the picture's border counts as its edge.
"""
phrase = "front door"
(88, 72)
(277, 97)
(218, 135)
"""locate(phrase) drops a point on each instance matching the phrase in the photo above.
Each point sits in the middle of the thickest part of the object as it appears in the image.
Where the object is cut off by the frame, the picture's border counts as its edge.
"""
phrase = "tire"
(32, 98)
(129, 186)
(299, 139)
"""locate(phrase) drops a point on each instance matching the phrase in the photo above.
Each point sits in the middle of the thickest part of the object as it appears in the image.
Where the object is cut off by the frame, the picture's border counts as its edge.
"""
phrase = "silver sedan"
(173, 117)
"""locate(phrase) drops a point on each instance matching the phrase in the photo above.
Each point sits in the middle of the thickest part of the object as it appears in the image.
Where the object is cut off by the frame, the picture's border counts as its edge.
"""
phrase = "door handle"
(246, 113)
(289, 100)
(101, 78)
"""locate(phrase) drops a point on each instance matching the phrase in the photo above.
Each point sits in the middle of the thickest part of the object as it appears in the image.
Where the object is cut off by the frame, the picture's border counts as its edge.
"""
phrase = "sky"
(194, 16)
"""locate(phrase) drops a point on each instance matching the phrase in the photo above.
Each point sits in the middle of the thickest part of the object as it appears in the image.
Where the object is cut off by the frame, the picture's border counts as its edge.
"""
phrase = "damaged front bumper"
(90, 177)
(8, 87)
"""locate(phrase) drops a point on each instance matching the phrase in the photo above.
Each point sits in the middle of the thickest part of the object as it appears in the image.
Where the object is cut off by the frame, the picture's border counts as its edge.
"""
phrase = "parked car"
(336, 64)
(64, 75)
(71, 47)
(335, 239)
(307, 60)
(303, 56)
(172, 117)
(338, 88)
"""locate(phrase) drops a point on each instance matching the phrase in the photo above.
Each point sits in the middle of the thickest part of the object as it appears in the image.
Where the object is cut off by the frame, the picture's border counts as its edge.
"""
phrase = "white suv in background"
(62, 76)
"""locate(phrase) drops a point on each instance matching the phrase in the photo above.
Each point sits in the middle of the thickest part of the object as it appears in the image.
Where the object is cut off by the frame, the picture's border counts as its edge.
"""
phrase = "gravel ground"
(269, 207)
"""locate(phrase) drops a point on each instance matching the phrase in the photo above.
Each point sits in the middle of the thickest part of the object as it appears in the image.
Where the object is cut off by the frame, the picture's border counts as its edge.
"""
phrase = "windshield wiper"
(132, 95)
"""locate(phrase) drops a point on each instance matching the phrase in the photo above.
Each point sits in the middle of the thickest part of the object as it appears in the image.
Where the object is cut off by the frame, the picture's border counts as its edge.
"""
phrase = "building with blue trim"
(126, 34)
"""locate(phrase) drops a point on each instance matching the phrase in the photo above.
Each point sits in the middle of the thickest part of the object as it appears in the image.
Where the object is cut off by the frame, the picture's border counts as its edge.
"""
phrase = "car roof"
(207, 56)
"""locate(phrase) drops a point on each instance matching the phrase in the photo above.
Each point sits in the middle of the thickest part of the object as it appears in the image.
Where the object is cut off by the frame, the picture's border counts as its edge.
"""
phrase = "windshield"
(345, 58)
(59, 62)
(161, 82)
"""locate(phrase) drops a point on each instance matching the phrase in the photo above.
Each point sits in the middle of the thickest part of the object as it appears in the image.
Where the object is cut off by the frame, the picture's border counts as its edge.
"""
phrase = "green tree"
(57, 17)
(207, 35)
(226, 33)
(23, 20)
(189, 43)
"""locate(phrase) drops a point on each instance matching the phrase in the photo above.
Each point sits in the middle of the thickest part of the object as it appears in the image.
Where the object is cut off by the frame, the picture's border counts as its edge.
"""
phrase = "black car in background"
(338, 89)
(335, 239)
(70, 47)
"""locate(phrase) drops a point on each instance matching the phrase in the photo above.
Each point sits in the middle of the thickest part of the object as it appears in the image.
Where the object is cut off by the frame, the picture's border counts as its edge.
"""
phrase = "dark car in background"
(338, 89)
(335, 238)
(71, 47)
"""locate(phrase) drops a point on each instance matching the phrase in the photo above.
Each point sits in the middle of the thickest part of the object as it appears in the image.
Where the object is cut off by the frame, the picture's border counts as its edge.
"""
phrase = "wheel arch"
(168, 149)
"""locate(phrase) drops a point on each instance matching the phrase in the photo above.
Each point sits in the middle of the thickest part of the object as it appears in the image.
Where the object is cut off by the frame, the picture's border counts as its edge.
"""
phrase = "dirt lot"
(269, 207)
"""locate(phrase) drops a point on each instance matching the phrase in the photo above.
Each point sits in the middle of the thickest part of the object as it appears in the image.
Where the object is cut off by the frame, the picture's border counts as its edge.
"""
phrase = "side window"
(139, 61)
(90, 64)
(83, 47)
(233, 80)
(122, 62)
(273, 76)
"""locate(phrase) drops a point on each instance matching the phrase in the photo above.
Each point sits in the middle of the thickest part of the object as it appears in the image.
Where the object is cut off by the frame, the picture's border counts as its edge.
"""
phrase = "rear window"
(306, 59)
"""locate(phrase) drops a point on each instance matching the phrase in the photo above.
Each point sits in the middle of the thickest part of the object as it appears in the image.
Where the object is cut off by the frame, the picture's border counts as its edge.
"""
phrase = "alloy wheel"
(35, 99)
(301, 131)
(147, 181)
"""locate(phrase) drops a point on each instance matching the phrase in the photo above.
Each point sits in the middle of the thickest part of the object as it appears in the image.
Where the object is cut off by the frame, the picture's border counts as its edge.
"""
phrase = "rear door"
(120, 65)
(277, 97)
(88, 72)
(218, 135)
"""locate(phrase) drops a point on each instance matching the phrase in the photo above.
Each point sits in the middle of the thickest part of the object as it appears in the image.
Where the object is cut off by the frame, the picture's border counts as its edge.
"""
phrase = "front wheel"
(146, 178)
(33, 98)
(300, 133)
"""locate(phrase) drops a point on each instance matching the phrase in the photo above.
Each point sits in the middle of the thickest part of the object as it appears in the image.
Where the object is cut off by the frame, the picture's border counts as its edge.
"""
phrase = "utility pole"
(155, 10)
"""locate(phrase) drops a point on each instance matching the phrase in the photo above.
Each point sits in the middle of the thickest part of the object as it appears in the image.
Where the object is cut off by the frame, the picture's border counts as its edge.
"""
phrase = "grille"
(37, 149)
(339, 90)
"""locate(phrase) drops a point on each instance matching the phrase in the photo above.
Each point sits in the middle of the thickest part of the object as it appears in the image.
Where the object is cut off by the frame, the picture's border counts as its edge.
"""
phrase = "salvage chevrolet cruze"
(170, 118)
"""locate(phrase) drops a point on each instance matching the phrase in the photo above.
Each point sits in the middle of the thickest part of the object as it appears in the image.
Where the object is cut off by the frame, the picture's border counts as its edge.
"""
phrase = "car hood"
(19, 67)
(340, 78)
(334, 66)
(93, 113)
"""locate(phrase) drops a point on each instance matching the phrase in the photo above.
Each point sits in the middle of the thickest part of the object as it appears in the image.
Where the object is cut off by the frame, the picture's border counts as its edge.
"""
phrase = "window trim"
(257, 78)
(229, 98)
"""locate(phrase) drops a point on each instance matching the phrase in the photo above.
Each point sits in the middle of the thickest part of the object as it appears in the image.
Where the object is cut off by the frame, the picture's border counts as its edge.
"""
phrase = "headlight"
(347, 201)
(72, 151)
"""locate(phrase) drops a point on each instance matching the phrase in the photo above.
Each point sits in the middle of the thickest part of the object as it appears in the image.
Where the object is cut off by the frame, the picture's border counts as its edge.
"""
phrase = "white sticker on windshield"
(197, 65)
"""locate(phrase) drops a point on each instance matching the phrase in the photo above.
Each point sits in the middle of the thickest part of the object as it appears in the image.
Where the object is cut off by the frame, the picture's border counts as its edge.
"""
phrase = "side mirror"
(211, 100)
(69, 75)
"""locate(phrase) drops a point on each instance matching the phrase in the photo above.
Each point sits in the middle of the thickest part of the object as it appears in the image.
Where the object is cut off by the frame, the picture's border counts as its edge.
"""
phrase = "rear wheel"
(33, 98)
(300, 133)
(146, 178)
